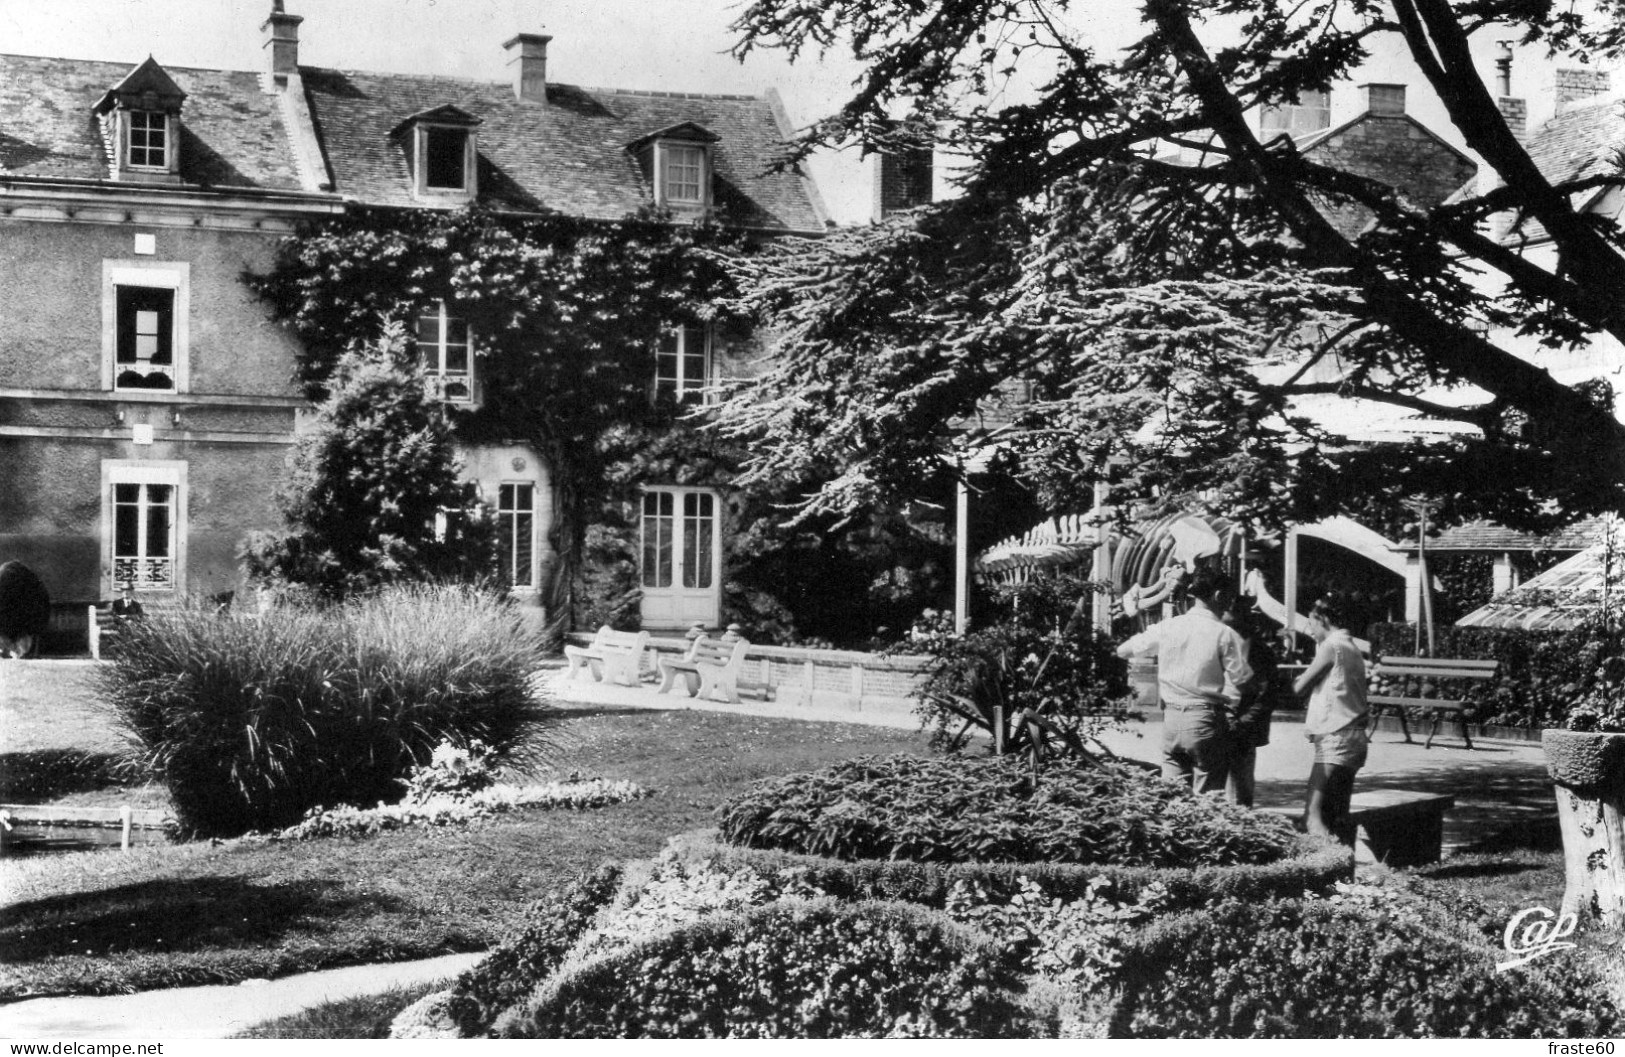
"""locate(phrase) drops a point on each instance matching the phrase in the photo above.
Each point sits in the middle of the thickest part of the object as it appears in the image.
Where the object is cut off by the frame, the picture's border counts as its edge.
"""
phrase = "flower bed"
(953, 809)
(451, 810)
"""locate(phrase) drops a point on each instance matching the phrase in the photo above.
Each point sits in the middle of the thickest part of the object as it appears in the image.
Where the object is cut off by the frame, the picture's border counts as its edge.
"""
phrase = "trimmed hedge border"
(1316, 866)
(972, 990)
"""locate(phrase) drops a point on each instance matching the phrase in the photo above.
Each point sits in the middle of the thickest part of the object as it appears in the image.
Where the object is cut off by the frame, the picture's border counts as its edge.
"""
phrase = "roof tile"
(569, 155)
(231, 132)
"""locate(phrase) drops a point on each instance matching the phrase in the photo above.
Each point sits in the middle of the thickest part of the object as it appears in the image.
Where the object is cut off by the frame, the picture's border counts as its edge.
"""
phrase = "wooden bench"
(1417, 681)
(1400, 827)
(708, 666)
(616, 655)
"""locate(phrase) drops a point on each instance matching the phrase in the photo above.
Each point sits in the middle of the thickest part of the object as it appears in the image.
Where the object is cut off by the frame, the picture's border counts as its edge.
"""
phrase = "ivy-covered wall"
(566, 315)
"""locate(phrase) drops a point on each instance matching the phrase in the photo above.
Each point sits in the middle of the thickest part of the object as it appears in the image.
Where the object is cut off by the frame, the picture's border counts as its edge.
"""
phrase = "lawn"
(222, 912)
(217, 913)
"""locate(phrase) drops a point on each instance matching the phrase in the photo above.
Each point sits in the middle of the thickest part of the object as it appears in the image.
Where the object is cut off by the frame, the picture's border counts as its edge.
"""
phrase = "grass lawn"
(105, 922)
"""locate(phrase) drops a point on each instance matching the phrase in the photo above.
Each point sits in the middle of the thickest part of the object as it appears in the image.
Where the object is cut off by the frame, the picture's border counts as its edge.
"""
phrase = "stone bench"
(1400, 827)
(710, 666)
(613, 655)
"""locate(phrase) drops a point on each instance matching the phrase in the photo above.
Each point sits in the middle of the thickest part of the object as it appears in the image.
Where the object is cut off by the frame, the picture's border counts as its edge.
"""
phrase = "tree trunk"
(1589, 773)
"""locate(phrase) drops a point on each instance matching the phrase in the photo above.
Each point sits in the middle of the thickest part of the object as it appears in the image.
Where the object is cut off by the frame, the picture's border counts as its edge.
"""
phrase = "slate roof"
(1579, 142)
(232, 134)
(1489, 536)
(1561, 597)
(570, 154)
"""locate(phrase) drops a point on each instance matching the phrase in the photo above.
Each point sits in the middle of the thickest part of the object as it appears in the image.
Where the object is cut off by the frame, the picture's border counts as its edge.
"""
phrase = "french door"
(681, 558)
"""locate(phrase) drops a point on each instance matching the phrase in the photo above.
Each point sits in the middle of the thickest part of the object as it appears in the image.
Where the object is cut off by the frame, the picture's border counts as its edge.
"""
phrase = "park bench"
(1425, 684)
(615, 655)
(1401, 827)
(709, 665)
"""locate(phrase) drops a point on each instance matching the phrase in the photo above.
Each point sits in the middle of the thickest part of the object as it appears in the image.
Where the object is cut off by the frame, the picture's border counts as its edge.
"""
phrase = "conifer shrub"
(251, 722)
(793, 969)
(1344, 968)
(962, 810)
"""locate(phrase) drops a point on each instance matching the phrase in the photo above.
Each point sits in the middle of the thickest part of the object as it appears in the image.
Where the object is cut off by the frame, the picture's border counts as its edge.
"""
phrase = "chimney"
(1503, 69)
(281, 41)
(1578, 87)
(1515, 112)
(528, 57)
(1384, 100)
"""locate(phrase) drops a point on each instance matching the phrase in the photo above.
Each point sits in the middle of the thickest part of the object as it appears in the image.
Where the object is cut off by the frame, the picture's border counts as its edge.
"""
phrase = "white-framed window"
(516, 533)
(679, 539)
(147, 138)
(144, 506)
(446, 354)
(145, 328)
(683, 364)
(1311, 113)
(682, 174)
(444, 161)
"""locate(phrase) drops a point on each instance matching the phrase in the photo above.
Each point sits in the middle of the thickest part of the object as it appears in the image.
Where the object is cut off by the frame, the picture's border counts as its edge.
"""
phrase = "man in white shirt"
(1201, 668)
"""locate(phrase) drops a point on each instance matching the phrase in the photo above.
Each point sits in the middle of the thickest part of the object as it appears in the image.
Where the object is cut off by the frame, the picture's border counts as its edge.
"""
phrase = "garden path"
(215, 1012)
(1498, 785)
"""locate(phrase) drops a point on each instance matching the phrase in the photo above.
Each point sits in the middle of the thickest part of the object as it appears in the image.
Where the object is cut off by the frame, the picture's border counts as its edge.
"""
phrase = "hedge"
(513, 968)
(792, 969)
(1313, 969)
(1314, 866)
(1541, 675)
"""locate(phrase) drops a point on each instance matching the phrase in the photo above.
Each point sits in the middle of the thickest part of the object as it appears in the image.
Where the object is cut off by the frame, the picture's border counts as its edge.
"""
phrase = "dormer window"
(677, 161)
(140, 122)
(441, 153)
(446, 354)
(684, 174)
(147, 140)
(1311, 112)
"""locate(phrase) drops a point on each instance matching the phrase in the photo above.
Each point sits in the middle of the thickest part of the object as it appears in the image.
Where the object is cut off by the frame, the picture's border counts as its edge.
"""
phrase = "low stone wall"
(798, 675)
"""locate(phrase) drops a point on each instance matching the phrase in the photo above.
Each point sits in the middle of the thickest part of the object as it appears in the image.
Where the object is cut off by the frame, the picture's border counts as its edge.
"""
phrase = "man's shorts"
(1341, 748)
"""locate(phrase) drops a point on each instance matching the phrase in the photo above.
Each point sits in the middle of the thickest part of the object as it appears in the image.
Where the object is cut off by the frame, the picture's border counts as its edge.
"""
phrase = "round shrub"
(25, 609)
(793, 969)
(958, 809)
(252, 721)
(1322, 969)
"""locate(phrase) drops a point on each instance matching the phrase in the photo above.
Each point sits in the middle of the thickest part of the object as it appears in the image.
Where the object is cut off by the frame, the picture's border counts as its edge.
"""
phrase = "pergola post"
(961, 552)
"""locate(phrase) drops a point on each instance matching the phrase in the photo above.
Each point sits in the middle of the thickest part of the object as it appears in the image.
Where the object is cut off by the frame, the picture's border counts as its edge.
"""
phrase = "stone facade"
(1388, 145)
(147, 406)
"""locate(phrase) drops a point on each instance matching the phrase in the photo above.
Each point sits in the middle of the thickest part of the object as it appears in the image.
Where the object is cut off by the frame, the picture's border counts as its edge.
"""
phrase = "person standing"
(1201, 670)
(1251, 728)
(1336, 717)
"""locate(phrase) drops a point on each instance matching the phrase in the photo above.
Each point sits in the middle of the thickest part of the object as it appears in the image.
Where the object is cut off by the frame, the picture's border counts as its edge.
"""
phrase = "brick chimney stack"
(1514, 111)
(1384, 100)
(1579, 87)
(281, 41)
(528, 60)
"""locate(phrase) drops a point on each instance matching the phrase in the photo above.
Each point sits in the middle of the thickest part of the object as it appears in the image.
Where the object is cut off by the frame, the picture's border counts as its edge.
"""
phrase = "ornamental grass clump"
(991, 810)
(252, 721)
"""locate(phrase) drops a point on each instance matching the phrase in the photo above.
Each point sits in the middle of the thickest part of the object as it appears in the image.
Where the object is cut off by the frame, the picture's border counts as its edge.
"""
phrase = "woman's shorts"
(1341, 748)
